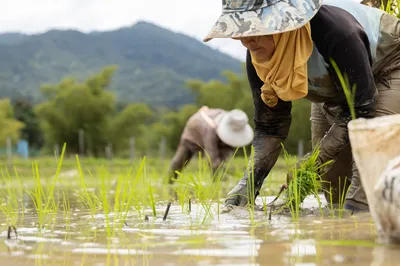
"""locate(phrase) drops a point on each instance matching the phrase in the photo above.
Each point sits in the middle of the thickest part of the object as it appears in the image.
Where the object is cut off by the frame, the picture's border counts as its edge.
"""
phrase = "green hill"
(153, 62)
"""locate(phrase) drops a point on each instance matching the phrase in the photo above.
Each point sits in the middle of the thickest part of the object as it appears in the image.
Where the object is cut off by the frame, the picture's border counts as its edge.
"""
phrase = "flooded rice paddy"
(101, 218)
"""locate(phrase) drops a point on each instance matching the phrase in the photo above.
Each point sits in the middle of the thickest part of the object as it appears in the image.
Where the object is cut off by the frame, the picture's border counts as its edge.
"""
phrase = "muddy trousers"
(183, 154)
(344, 170)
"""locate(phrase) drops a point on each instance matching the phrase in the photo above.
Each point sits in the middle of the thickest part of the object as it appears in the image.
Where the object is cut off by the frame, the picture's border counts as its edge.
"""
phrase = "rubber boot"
(356, 199)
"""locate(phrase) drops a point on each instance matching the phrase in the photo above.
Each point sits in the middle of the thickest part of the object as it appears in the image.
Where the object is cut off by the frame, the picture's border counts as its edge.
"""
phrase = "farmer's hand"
(237, 196)
(266, 152)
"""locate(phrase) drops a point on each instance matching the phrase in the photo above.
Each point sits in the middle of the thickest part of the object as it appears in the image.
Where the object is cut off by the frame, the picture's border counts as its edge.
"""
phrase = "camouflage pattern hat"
(242, 18)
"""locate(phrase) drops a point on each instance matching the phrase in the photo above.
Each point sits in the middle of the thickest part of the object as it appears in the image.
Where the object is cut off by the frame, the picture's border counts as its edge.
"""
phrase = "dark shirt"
(337, 35)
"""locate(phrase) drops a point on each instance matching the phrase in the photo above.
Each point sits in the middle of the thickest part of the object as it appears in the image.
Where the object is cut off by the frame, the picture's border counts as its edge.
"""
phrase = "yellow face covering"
(285, 75)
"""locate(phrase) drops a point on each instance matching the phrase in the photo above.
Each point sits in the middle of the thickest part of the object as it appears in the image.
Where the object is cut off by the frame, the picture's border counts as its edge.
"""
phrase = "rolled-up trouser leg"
(337, 178)
(388, 104)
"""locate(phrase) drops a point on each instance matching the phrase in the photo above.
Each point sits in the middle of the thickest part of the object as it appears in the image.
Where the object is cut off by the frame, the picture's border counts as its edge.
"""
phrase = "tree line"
(72, 106)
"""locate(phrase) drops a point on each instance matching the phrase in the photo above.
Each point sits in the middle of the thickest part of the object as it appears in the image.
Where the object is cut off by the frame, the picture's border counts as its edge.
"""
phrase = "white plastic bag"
(376, 142)
(387, 201)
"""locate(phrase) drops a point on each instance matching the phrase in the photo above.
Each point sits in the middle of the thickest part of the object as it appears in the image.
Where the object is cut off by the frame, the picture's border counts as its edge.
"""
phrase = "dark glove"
(266, 153)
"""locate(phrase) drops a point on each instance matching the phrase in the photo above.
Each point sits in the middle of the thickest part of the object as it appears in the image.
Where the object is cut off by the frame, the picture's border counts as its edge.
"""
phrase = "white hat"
(234, 129)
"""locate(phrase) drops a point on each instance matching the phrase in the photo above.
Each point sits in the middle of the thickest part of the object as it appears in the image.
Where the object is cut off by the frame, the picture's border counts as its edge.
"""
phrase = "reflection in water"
(226, 239)
(383, 255)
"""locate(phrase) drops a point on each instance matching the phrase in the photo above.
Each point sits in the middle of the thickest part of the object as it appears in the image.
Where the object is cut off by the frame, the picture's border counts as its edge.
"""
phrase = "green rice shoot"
(305, 181)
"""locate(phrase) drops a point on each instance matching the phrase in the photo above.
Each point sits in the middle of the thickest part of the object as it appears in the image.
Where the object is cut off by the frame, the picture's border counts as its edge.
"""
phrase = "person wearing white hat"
(214, 132)
(294, 49)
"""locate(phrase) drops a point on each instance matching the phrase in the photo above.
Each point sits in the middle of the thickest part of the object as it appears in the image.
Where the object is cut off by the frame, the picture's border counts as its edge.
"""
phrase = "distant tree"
(9, 126)
(71, 106)
(23, 111)
(234, 93)
(132, 121)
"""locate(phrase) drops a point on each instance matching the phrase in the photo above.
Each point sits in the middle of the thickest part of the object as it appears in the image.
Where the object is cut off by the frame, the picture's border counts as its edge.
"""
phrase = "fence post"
(89, 152)
(300, 149)
(57, 150)
(162, 149)
(9, 150)
(132, 148)
(81, 142)
(109, 151)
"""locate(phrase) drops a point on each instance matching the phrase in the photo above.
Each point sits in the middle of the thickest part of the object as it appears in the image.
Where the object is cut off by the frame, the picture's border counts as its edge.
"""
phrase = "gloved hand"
(239, 195)
(266, 153)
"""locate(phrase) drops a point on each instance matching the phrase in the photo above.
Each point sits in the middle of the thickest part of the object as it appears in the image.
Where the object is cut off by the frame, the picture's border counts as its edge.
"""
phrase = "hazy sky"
(191, 17)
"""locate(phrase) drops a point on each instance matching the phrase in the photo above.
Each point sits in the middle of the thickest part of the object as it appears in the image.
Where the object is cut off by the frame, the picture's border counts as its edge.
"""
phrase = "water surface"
(188, 239)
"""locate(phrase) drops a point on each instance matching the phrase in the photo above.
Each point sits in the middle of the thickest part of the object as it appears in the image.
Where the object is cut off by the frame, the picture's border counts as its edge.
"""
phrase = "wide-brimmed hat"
(234, 129)
(243, 18)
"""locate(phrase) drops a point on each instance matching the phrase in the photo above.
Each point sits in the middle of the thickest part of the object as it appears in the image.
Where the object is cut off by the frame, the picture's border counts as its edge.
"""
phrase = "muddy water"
(188, 239)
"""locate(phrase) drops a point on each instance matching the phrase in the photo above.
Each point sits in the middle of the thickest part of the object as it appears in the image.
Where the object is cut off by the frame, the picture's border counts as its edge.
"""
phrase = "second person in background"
(214, 132)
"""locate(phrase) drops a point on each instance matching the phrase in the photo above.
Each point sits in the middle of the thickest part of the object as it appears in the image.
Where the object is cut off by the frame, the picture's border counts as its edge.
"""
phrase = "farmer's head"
(233, 129)
(254, 22)
(278, 35)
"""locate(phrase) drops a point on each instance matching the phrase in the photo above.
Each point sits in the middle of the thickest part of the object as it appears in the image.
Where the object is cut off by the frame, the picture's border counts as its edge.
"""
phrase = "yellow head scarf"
(285, 75)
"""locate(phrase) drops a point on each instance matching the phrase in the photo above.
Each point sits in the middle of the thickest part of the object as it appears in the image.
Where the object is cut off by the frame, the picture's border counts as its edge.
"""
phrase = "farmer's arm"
(271, 128)
(352, 56)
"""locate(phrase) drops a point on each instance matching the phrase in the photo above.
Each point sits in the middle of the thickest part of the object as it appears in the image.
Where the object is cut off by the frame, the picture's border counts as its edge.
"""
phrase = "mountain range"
(153, 62)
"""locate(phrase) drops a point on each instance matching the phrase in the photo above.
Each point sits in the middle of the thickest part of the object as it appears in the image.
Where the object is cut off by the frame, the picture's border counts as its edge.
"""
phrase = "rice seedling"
(216, 187)
(251, 187)
(345, 83)
(342, 196)
(43, 197)
(88, 197)
(392, 7)
(10, 204)
(139, 195)
(338, 207)
(123, 199)
(197, 185)
(331, 205)
(117, 201)
(66, 209)
(303, 180)
(183, 196)
(152, 202)
(350, 97)
(105, 205)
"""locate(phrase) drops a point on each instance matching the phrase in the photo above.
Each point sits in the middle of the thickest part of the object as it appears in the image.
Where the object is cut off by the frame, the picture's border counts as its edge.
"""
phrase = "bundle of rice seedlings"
(302, 181)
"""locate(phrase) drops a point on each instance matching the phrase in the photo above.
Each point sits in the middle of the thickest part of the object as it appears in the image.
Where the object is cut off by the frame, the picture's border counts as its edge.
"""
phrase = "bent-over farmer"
(290, 44)
(214, 132)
